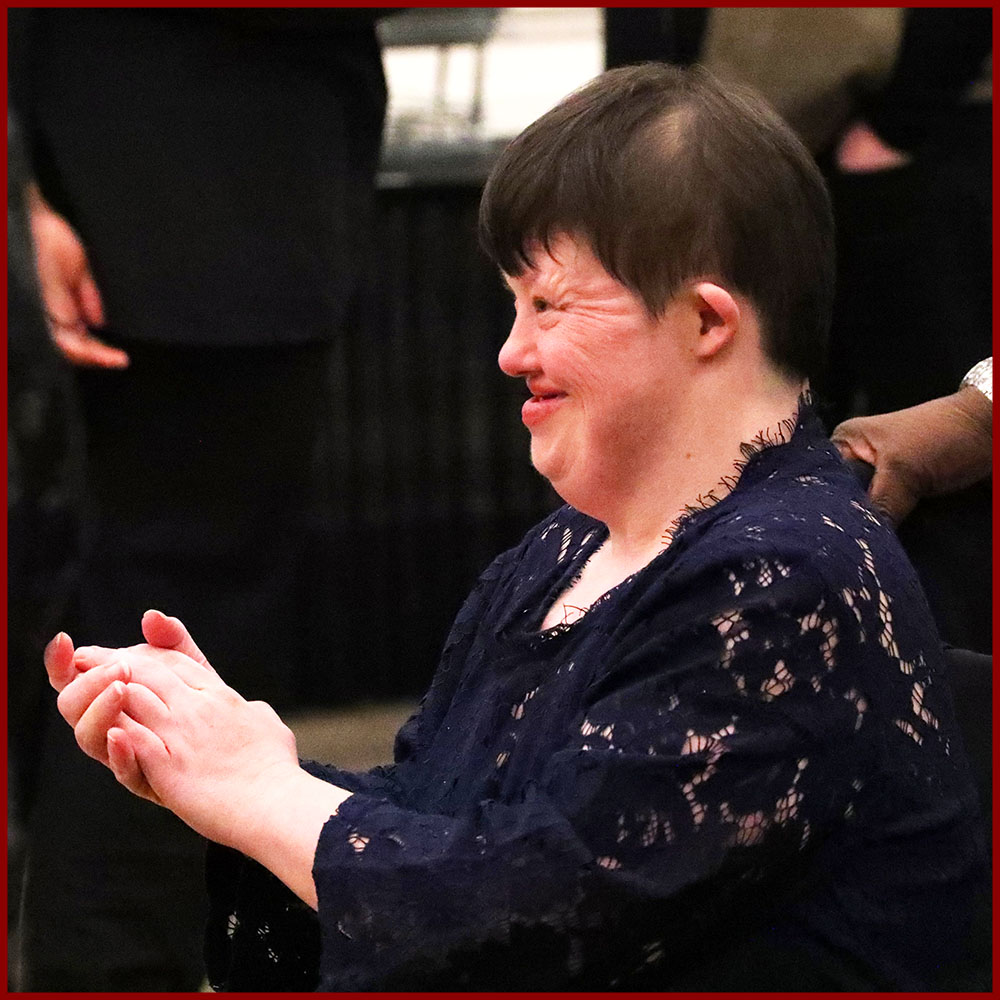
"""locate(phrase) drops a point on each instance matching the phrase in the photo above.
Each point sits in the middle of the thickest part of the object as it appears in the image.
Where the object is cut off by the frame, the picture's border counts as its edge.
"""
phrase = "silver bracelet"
(980, 377)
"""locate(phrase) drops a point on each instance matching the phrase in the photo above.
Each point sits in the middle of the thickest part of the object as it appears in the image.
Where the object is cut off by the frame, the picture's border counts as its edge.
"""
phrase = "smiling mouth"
(539, 390)
(539, 406)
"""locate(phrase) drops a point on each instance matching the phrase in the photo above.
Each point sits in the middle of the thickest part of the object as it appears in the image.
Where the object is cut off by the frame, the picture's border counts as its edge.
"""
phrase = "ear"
(719, 316)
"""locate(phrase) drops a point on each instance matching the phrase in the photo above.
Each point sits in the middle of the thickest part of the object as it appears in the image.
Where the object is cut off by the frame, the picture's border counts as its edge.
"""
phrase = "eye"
(539, 305)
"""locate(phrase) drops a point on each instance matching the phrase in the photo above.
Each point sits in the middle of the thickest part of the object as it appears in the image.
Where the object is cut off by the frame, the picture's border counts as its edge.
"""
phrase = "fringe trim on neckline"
(768, 437)
(749, 450)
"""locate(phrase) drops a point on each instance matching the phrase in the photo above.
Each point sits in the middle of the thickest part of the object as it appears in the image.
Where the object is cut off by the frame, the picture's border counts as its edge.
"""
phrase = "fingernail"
(54, 641)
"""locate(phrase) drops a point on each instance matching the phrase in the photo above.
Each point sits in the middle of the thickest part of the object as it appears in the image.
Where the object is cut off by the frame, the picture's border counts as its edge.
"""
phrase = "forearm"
(281, 830)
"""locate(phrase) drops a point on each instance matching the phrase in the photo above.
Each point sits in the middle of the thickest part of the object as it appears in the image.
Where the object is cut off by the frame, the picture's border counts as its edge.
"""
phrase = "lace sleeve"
(257, 927)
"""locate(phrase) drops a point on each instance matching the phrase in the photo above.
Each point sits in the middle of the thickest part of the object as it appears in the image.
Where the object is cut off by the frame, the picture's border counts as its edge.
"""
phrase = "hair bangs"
(671, 176)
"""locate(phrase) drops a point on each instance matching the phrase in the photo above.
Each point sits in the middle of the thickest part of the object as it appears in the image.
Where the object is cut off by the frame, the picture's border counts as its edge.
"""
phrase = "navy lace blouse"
(738, 770)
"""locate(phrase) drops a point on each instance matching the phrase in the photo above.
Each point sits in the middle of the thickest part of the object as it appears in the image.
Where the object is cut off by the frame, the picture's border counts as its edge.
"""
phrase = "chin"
(567, 468)
(584, 493)
(561, 480)
(547, 466)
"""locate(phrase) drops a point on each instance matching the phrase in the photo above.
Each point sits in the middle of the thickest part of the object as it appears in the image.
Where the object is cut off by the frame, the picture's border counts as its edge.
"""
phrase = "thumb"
(170, 633)
(58, 657)
(80, 347)
(124, 762)
(89, 298)
(850, 439)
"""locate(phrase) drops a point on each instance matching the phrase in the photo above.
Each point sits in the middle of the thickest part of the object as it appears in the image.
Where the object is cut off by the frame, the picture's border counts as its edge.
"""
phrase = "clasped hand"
(171, 730)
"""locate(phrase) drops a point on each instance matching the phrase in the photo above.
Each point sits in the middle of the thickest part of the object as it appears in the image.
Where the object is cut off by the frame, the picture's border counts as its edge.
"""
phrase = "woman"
(692, 732)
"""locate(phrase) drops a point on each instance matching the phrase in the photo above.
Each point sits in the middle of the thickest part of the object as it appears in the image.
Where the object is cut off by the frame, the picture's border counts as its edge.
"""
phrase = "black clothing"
(740, 769)
(207, 505)
(44, 452)
(941, 53)
(643, 34)
(113, 897)
(219, 172)
(917, 236)
(218, 166)
(914, 304)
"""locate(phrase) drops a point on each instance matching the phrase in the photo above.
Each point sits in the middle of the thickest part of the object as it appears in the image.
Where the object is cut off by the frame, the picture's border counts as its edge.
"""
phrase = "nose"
(518, 352)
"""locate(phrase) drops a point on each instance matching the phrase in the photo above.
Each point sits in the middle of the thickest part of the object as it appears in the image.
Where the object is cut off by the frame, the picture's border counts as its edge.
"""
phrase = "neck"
(697, 464)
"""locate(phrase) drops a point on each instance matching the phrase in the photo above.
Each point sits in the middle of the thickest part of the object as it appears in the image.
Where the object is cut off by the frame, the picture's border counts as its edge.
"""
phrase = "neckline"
(763, 442)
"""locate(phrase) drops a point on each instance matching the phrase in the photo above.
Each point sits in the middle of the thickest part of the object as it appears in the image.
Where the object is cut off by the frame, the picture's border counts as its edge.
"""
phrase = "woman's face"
(601, 372)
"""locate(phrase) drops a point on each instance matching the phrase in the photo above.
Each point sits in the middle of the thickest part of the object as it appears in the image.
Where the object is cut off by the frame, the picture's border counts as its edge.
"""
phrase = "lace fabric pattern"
(744, 752)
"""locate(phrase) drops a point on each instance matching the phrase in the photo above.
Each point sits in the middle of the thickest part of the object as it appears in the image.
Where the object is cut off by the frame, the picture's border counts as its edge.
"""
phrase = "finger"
(145, 743)
(88, 657)
(170, 633)
(889, 492)
(126, 745)
(853, 445)
(148, 657)
(79, 695)
(845, 448)
(146, 707)
(125, 766)
(150, 751)
(91, 307)
(179, 692)
(103, 712)
(58, 659)
(82, 348)
(161, 670)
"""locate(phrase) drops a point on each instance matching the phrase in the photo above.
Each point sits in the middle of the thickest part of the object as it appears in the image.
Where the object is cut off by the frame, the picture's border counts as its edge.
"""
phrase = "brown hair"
(671, 176)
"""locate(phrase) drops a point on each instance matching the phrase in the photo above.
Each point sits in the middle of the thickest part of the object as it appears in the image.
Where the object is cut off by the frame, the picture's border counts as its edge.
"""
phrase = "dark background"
(427, 460)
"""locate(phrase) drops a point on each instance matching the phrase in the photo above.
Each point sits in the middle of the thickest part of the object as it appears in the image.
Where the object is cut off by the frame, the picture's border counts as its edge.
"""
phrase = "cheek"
(587, 368)
(603, 371)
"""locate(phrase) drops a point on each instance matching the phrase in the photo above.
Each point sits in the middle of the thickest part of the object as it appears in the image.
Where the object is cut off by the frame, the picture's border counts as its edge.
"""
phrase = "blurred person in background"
(200, 200)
